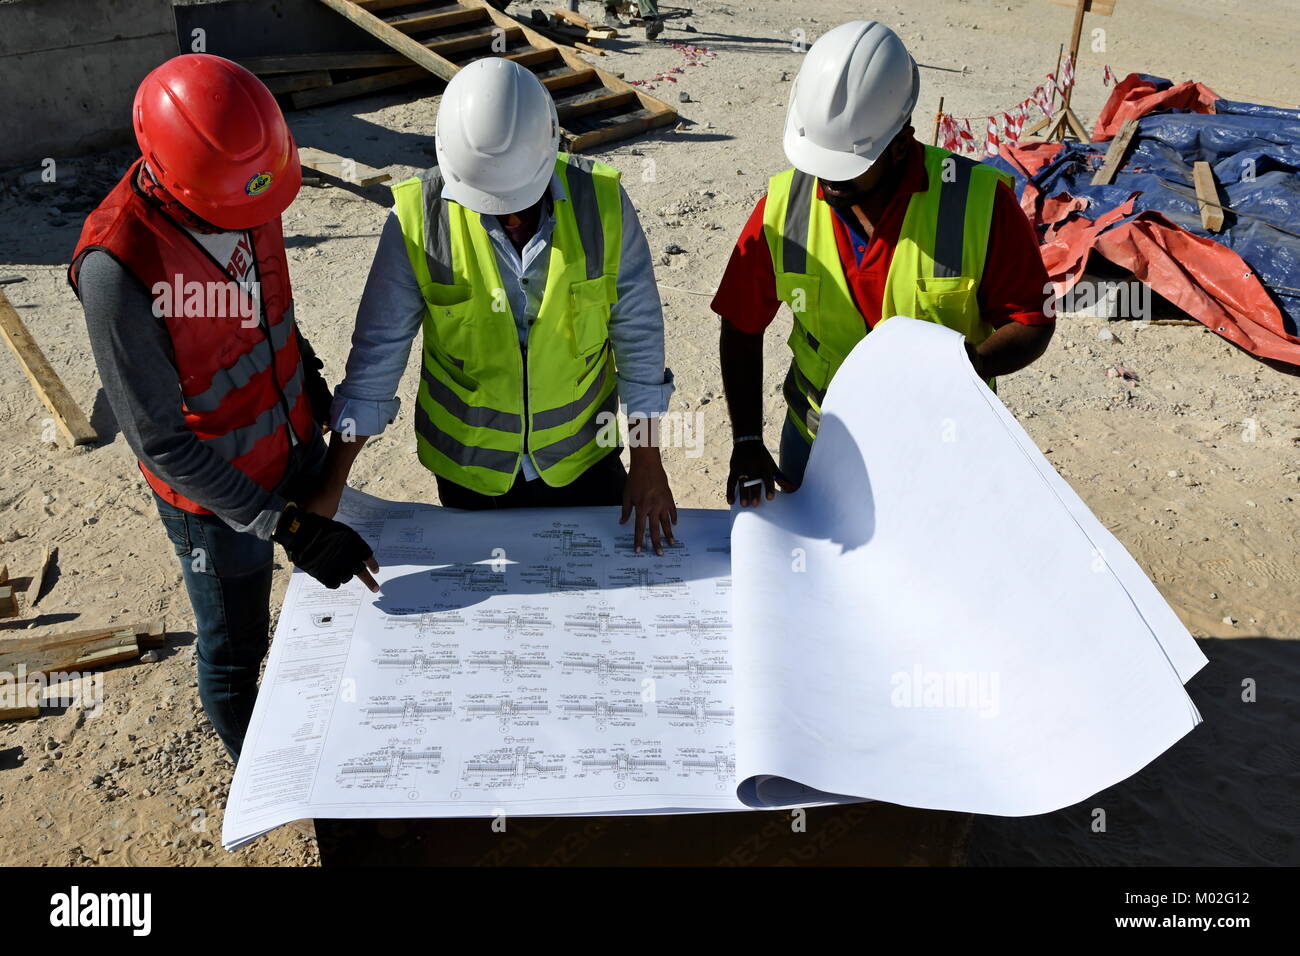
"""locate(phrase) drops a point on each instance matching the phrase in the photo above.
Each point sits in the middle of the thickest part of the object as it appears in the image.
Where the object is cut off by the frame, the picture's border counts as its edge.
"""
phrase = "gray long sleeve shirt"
(137, 368)
(392, 309)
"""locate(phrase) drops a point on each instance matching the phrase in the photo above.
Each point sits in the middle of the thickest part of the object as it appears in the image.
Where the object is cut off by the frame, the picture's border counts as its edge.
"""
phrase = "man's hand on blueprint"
(647, 492)
(328, 550)
(753, 473)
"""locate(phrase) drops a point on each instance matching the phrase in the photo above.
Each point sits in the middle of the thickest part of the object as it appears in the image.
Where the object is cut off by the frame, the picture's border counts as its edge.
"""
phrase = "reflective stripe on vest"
(473, 419)
(227, 380)
(934, 272)
(240, 441)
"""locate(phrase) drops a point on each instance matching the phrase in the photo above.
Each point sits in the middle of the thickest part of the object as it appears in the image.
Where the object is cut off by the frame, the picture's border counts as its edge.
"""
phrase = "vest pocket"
(801, 292)
(590, 302)
(950, 302)
(449, 336)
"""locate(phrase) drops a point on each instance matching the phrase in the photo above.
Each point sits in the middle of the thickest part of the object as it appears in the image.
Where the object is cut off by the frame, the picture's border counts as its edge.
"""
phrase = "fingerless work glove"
(328, 550)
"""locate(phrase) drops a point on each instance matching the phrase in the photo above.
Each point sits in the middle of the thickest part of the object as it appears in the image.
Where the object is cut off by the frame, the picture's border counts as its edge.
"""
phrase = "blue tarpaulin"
(1254, 151)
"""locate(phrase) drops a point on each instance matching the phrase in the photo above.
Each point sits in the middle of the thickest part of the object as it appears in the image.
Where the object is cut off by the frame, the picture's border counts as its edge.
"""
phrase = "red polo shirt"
(1014, 286)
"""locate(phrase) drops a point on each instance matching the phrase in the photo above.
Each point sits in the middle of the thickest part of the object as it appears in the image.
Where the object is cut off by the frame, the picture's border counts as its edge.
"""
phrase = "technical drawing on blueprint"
(525, 662)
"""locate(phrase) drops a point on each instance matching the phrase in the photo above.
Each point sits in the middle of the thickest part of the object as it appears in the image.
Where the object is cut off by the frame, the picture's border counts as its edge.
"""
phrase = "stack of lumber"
(78, 650)
(566, 26)
(441, 36)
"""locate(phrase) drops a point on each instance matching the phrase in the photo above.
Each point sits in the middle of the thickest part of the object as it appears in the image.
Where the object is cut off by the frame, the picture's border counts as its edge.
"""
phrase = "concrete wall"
(69, 70)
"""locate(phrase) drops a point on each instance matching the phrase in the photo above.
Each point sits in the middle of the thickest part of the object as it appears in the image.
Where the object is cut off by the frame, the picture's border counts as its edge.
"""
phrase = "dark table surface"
(864, 834)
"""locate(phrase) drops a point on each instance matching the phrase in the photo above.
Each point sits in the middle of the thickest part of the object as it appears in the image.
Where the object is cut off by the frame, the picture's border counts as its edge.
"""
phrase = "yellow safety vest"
(934, 275)
(483, 401)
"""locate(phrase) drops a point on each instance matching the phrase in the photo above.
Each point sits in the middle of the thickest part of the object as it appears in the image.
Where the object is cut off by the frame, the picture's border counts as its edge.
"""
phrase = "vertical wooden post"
(1079, 8)
(934, 139)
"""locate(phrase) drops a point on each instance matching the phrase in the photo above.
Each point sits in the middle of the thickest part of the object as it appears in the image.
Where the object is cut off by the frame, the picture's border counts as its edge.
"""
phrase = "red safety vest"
(237, 400)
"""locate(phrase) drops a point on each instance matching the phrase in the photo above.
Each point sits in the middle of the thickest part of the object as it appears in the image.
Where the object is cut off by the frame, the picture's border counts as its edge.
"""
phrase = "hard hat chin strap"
(158, 194)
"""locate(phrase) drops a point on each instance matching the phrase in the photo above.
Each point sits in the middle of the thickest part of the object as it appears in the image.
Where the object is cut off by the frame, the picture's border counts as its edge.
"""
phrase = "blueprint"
(519, 662)
(934, 619)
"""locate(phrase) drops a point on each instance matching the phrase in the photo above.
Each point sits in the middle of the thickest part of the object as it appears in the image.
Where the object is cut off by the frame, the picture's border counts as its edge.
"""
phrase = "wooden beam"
(938, 116)
(630, 127)
(38, 581)
(562, 81)
(359, 87)
(19, 712)
(1079, 8)
(293, 82)
(1115, 154)
(594, 31)
(1207, 196)
(543, 51)
(1076, 125)
(534, 38)
(78, 650)
(475, 40)
(438, 21)
(49, 387)
(584, 105)
(297, 63)
(340, 167)
(532, 58)
(391, 36)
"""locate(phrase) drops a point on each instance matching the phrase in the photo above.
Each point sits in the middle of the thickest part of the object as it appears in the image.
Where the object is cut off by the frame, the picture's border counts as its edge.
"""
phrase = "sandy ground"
(1194, 465)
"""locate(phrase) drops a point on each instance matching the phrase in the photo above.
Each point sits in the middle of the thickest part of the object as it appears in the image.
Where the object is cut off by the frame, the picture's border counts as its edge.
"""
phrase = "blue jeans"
(228, 576)
(794, 452)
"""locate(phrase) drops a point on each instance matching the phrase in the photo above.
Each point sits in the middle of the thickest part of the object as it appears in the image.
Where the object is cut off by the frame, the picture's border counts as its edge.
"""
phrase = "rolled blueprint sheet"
(935, 618)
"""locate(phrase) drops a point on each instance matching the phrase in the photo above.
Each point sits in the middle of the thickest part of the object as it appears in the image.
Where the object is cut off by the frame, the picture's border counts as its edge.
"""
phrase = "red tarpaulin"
(1204, 278)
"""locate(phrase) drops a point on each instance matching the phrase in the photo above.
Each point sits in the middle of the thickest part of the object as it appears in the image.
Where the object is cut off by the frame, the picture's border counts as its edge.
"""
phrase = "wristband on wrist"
(740, 438)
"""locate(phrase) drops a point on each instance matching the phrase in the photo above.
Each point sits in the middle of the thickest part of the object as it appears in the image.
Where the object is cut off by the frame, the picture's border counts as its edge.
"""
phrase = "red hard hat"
(215, 138)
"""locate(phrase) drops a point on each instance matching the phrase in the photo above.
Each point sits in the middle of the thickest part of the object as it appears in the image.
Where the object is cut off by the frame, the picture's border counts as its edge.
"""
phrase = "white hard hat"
(497, 136)
(856, 89)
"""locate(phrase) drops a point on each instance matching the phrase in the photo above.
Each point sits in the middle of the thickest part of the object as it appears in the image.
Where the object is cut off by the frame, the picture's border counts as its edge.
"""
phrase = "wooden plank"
(417, 23)
(428, 55)
(300, 62)
(1076, 125)
(392, 37)
(49, 387)
(340, 167)
(631, 127)
(531, 58)
(8, 601)
(647, 101)
(563, 81)
(85, 656)
(359, 87)
(594, 31)
(19, 713)
(1115, 154)
(583, 105)
(148, 631)
(1207, 196)
(39, 579)
(293, 82)
(474, 41)
(78, 650)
